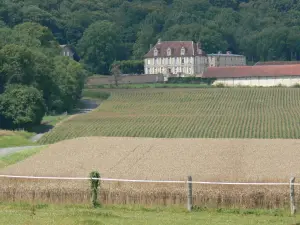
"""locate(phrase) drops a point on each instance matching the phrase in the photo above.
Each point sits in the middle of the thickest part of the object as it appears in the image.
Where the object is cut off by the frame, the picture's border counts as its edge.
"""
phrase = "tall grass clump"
(95, 183)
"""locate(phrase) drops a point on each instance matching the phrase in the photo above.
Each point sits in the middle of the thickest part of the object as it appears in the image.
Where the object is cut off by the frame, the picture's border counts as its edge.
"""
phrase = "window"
(148, 61)
(169, 52)
(149, 71)
(182, 60)
(190, 70)
(155, 52)
(155, 60)
(169, 60)
(182, 52)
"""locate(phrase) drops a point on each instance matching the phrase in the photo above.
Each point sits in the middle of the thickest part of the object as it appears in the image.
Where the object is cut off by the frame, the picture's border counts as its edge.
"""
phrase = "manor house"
(175, 58)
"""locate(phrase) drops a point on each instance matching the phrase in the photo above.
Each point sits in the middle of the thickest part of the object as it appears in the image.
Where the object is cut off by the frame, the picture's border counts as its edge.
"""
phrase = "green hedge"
(190, 80)
(131, 66)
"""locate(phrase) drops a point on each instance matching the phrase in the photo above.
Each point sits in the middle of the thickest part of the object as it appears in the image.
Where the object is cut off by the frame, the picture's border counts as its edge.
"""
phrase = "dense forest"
(105, 31)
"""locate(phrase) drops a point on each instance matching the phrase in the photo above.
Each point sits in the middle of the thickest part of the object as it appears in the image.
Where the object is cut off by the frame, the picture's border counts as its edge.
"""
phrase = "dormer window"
(169, 52)
(155, 52)
(182, 52)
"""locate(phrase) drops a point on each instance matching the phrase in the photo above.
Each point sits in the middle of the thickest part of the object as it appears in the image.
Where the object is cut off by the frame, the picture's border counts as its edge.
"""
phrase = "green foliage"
(131, 66)
(95, 94)
(262, 30)
(99, 46)
(29, 56)
(190, 80)
(21, 106)
(95, 184)
(69, 77)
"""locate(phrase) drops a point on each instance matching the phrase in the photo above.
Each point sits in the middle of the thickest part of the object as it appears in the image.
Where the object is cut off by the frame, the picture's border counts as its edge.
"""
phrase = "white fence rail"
(189, 183)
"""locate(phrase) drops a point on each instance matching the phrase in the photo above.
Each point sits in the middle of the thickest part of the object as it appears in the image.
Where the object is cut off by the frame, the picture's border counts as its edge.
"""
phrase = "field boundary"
(153, 181)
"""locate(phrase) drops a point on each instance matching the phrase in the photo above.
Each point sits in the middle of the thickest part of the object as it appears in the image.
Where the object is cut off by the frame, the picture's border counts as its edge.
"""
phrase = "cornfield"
(205, 113)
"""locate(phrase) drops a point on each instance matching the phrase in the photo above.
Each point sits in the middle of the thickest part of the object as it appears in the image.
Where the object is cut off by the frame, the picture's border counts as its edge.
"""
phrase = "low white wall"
(259, 81)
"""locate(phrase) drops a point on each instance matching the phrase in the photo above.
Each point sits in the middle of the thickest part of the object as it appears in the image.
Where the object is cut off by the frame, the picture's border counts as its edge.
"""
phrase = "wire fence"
(51, 189)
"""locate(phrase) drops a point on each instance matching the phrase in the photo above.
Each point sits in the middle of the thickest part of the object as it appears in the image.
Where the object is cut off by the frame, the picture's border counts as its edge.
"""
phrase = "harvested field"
(162, 159)
(270, 113)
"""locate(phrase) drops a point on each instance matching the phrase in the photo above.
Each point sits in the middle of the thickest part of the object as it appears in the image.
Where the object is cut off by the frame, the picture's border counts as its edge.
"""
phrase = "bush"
(220, 85)
(96, 94)
(190, 80)
(21, 107)
(131, 66)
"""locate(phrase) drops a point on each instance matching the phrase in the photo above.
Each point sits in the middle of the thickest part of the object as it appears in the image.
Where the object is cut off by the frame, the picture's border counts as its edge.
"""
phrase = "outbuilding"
(264, 75)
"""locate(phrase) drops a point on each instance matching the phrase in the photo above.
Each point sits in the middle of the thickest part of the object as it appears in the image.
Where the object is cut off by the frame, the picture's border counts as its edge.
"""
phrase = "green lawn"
(18, 156)
(66, 215)
(53, 120)
(18, 138)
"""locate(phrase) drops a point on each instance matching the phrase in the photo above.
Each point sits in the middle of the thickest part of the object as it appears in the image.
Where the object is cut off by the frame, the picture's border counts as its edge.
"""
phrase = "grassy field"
(15, 138)
(18, 156)
(67, 215)
(190, 113)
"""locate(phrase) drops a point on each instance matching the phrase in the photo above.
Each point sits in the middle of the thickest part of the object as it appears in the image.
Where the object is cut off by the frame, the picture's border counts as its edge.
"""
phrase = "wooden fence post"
(189, 194)
(292, 196)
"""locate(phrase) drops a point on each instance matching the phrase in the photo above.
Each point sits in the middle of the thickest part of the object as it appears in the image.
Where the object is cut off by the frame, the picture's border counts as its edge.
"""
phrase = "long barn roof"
(253, 71)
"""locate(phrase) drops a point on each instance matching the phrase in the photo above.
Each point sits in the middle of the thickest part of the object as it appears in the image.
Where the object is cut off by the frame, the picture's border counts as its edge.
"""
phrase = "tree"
(69, 77)
(116, 73)
(21, 107)
(99, 46)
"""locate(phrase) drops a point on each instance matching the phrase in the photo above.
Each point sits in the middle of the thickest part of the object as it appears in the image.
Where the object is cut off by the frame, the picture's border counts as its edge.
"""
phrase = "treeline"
(112, 30)
(34, 78)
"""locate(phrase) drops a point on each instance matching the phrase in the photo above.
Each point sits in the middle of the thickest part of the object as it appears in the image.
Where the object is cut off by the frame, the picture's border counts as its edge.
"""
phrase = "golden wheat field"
(169, 159)
(162, 159)
(185, 113)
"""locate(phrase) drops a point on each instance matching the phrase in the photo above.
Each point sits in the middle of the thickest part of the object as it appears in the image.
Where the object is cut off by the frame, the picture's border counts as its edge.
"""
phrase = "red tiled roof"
(277, 63)
(175, 46)
(253, 71)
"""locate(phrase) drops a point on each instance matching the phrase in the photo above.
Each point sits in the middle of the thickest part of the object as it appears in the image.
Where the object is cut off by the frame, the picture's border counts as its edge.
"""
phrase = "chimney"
(199, 50)
(198, 45)
(228, 52)
(159, 41)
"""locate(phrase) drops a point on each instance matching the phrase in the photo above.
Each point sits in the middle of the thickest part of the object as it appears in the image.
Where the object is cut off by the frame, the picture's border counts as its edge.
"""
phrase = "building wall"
(176, 65)
(201, 63)
(67, 52)
(226, 60)
(259, 81)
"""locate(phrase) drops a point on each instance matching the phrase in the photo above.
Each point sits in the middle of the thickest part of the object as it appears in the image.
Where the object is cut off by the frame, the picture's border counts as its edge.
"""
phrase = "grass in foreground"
(67, 215)
(18, 156)
(186, 113)
(15, 138)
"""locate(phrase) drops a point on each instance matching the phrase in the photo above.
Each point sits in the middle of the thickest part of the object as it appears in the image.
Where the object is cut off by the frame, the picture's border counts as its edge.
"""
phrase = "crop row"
(205, 113)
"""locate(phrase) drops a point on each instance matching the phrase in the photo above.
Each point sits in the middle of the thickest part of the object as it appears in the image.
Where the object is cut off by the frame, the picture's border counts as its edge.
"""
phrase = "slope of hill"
(185, 113)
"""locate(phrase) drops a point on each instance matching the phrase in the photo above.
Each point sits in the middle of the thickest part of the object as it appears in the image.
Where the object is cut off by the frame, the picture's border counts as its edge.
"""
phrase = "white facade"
(259, 81)
(179, 58)
(176, 65)
(222, 60)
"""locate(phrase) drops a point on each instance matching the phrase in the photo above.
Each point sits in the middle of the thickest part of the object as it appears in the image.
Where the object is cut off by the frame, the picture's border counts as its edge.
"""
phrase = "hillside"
(187, 113)
(166, 159)
(120, 29)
